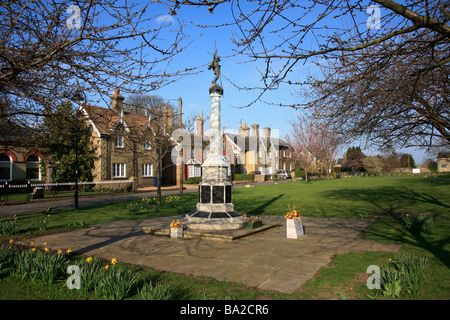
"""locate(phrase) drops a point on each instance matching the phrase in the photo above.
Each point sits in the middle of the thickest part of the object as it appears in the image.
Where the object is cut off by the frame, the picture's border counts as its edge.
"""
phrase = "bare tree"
(156, 133)
(302, 142)
(312, 140)
(385, 73)
(50, 50)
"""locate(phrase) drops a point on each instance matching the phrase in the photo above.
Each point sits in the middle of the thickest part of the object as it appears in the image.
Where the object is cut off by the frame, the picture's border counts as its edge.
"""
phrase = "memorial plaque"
(206, 194)
(228, 194)
(218, 194)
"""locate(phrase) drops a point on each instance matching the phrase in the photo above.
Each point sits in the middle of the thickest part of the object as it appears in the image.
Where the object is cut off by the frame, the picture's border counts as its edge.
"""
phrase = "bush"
(240, 177)
(193, 180)
(7, 256)
(403, 273)
(39, 265)
(91, 273)
(41, 224)
(134, 209)
(155, 292)
(8, 227)
(116, 283)
(417, 223)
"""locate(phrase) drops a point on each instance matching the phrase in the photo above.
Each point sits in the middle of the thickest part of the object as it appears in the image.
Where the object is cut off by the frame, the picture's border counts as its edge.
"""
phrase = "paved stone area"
(265, 260)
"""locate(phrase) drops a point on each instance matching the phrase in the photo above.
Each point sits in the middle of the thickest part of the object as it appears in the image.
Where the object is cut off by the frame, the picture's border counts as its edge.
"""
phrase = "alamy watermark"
(374, 21)
(74, 20)
(74, 280)
(374, 280)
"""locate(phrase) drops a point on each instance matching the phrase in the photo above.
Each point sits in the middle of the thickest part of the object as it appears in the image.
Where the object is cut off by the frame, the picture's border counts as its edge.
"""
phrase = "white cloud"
(164, 19)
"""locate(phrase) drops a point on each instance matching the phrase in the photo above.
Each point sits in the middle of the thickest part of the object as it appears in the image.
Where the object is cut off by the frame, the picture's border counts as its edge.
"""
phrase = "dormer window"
(147, 146)
(119, 141)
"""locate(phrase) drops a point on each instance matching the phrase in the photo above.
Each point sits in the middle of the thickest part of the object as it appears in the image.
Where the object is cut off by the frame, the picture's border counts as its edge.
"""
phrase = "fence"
(24, 192)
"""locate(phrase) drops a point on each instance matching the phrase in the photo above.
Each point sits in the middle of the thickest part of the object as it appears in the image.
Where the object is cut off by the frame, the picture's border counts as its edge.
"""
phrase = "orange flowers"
(292, 214)
(176, 224)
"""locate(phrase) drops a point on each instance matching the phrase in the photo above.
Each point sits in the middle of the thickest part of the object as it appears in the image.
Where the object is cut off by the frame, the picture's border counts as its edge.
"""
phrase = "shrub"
(134, 209)
(193, 180)
(417, 223)
(41, 223)
(39, 265)
(116, 283)
(91, 273)
(172, 201)
(7, 256)
(9, 227)
(50, 266)
(403, 273)
(239, 177)
(148, 203)
(155, 292)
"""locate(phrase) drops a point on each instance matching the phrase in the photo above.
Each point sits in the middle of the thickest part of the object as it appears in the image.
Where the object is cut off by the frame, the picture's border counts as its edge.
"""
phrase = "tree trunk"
(159, 173)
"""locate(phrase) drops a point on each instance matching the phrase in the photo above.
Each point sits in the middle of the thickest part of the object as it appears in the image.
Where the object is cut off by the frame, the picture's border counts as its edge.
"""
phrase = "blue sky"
(194, 89)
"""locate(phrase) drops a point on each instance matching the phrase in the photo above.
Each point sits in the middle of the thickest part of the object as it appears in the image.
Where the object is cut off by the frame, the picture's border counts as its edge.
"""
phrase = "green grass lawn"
(382, 199)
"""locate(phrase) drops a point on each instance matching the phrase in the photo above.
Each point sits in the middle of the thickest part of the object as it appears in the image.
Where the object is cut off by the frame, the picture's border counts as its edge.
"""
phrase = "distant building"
(443, 162)
(121, 154)
(19, 159)
(252, 151)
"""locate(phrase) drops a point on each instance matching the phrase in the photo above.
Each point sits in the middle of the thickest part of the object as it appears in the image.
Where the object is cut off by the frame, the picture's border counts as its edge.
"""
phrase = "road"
(85, 201)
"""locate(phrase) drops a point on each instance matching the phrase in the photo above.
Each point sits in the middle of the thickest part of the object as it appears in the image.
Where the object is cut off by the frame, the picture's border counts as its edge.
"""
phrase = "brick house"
(19, 160)
(250, 151)
(121, 152)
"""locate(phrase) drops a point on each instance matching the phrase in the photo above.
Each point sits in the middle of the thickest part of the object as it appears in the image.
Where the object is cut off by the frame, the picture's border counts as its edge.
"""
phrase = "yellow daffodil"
(69, 251)
(89, 259)
(59, 251)
(113, 261)
(11, 241)
(33, 250)
(106, 267)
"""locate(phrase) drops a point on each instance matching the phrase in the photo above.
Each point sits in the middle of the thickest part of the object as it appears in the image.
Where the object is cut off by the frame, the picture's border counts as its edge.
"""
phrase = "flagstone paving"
(265, 259)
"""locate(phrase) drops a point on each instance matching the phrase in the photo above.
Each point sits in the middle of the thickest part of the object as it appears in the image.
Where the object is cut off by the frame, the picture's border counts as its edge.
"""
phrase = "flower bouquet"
(176, 229)
(294, 225)
(252, 222)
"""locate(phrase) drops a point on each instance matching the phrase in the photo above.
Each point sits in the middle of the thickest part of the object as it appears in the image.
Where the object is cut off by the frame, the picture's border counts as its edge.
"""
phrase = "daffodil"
(89, 259)
(113, 261)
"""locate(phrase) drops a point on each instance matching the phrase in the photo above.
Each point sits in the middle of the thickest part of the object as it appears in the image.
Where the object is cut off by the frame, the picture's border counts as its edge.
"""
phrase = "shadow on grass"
(393, 202)
(258, 210)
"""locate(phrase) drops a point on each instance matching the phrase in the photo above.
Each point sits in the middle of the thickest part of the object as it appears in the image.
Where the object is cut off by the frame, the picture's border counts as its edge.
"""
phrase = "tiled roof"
(106, 119)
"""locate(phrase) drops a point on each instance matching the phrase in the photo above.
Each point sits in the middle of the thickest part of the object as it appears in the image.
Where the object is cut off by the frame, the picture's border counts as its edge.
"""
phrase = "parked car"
(255, 172)
(283, 174)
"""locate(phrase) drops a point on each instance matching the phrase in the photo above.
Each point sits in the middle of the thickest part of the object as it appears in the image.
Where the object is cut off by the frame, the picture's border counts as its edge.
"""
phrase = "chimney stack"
(200, 124)
(255, 130)
(244, 131)
(117, 101)
(267, 132)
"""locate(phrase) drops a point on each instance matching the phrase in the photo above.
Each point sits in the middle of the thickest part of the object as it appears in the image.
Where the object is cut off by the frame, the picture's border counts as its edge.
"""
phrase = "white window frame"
(38, 167)
(147, 146)
(119, 141)
(147, 170)
(195, 171)
(119, 170)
